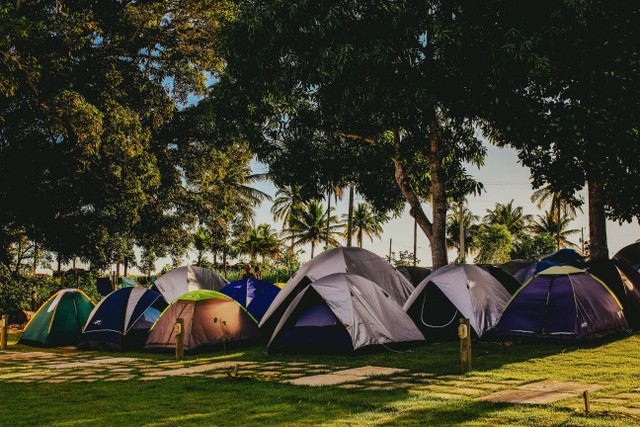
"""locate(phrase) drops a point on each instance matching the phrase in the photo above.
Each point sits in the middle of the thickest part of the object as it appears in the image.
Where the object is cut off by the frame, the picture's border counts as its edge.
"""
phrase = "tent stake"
(4, 326)
(587, 402)
(179, 329)
(464, 332)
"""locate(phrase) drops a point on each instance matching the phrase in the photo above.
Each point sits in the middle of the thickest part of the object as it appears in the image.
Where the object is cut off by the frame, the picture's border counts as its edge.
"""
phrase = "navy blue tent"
(121, 321)
(254, 295)
(562, 302)
(525, 274)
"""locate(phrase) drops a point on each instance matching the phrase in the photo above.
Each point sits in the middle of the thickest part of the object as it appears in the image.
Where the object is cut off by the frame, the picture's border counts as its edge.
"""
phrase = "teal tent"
(59, 321)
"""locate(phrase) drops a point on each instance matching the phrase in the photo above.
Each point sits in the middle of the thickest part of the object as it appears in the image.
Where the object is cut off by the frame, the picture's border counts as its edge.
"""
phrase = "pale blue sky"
(504, 179)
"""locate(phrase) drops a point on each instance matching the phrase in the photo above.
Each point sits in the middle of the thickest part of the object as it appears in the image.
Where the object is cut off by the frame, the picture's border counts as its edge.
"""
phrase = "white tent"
(355, 308)
(455, 291)
(181, 280)
(349, 260)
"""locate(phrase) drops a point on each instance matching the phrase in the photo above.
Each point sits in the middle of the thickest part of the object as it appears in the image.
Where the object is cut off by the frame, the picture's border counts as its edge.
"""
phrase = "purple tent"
(562, 302)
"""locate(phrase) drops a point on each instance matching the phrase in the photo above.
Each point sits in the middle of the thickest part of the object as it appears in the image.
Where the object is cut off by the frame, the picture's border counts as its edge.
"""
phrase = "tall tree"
(570, 86)
(558, 227)
(364, 90)
(82, 98)
(366, 222)
(470, 227)
(511, 217)
(309, 226)
(260, 241)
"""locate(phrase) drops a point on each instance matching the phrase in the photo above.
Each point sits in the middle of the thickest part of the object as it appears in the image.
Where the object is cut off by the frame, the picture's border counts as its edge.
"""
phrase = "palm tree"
(561, 207)
(287, 204)
(549, 223)
(202, 242)
(470, 227)
(366, 222)
(505, 214)
(261, 240)
(254, 196)
(338, 193)
(308, 226)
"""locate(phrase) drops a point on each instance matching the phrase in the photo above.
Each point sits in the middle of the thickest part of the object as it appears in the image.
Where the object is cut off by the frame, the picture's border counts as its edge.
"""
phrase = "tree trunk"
(462, 253)
(126, 268)
(360, 237)
(438, 199)
(117, 271)
(598, 249)
(415, 242)
(224, 262)
(326, 241)
(350, 217)
(59, 264)
(415, 208)
(313, 246)
(558, 222)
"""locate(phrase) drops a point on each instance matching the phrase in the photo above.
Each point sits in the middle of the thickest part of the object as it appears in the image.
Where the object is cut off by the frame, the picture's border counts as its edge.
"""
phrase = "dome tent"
(341, 313)
(452, 292)
(181, 280)
(562, 303)
(122, 319)
(254, 295)
(210, 319)
(349, 260)
(58, 322)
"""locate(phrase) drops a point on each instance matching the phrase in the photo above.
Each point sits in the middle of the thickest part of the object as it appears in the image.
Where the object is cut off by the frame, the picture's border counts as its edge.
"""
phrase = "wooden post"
(464, 332)
(179, 330)
(4, 326)
(587, 403)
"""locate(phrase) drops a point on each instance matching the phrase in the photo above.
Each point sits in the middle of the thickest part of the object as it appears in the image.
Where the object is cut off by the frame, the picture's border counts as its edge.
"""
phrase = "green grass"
(201, 401)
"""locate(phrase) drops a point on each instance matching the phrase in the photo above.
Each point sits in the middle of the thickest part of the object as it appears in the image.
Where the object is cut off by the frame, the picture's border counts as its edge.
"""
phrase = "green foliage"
(493, 244)
(261, 241)
(513, 218)
(310, 226)
(533, 247)
(404, 258)
(366, 222)
(86, 163)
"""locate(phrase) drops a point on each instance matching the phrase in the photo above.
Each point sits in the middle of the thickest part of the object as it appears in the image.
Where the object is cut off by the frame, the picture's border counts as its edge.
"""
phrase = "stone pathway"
(87, 367)
(542, 392)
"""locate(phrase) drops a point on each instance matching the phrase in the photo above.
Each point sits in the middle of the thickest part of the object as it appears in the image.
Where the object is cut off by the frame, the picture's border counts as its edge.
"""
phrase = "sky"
(504, 179)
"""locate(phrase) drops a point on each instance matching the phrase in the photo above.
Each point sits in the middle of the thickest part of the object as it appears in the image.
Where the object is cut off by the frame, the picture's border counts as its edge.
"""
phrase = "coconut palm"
(514, 219)
(366, 222)
(561, 207)
(549, 223)
(308, 226)
(261, 241)
(202, 242)
(287, 204)
(470, 227)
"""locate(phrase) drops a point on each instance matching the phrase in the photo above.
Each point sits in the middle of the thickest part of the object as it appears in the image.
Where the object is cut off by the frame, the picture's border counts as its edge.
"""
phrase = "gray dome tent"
(452, 292)
(342, 313)
(181, 280)
(349, 260)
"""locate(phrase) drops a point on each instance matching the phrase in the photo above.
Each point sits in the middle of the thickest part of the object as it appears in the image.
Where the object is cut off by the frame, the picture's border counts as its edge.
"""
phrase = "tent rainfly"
(562, 303)
(254, 295)
(341, 313)
(349, 260)
(181, 280)
(210, 318)
(122, 319)
(452, 292)
(58, 322)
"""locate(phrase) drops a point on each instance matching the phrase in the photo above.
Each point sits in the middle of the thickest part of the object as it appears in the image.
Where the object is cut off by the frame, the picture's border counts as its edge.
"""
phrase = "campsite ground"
(71, 388)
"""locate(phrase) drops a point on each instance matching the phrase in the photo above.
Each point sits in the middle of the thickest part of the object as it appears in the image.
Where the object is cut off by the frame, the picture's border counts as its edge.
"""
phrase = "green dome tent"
(59, 321)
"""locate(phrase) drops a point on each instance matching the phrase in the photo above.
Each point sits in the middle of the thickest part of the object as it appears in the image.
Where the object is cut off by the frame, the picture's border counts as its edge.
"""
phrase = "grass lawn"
(187, 401)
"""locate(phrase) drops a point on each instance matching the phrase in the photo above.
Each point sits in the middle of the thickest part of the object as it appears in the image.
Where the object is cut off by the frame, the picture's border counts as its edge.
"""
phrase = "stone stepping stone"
(610, 400)
(541, 392)
(196, 369)
(345, 376)
(89, 363)
(626, 410)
